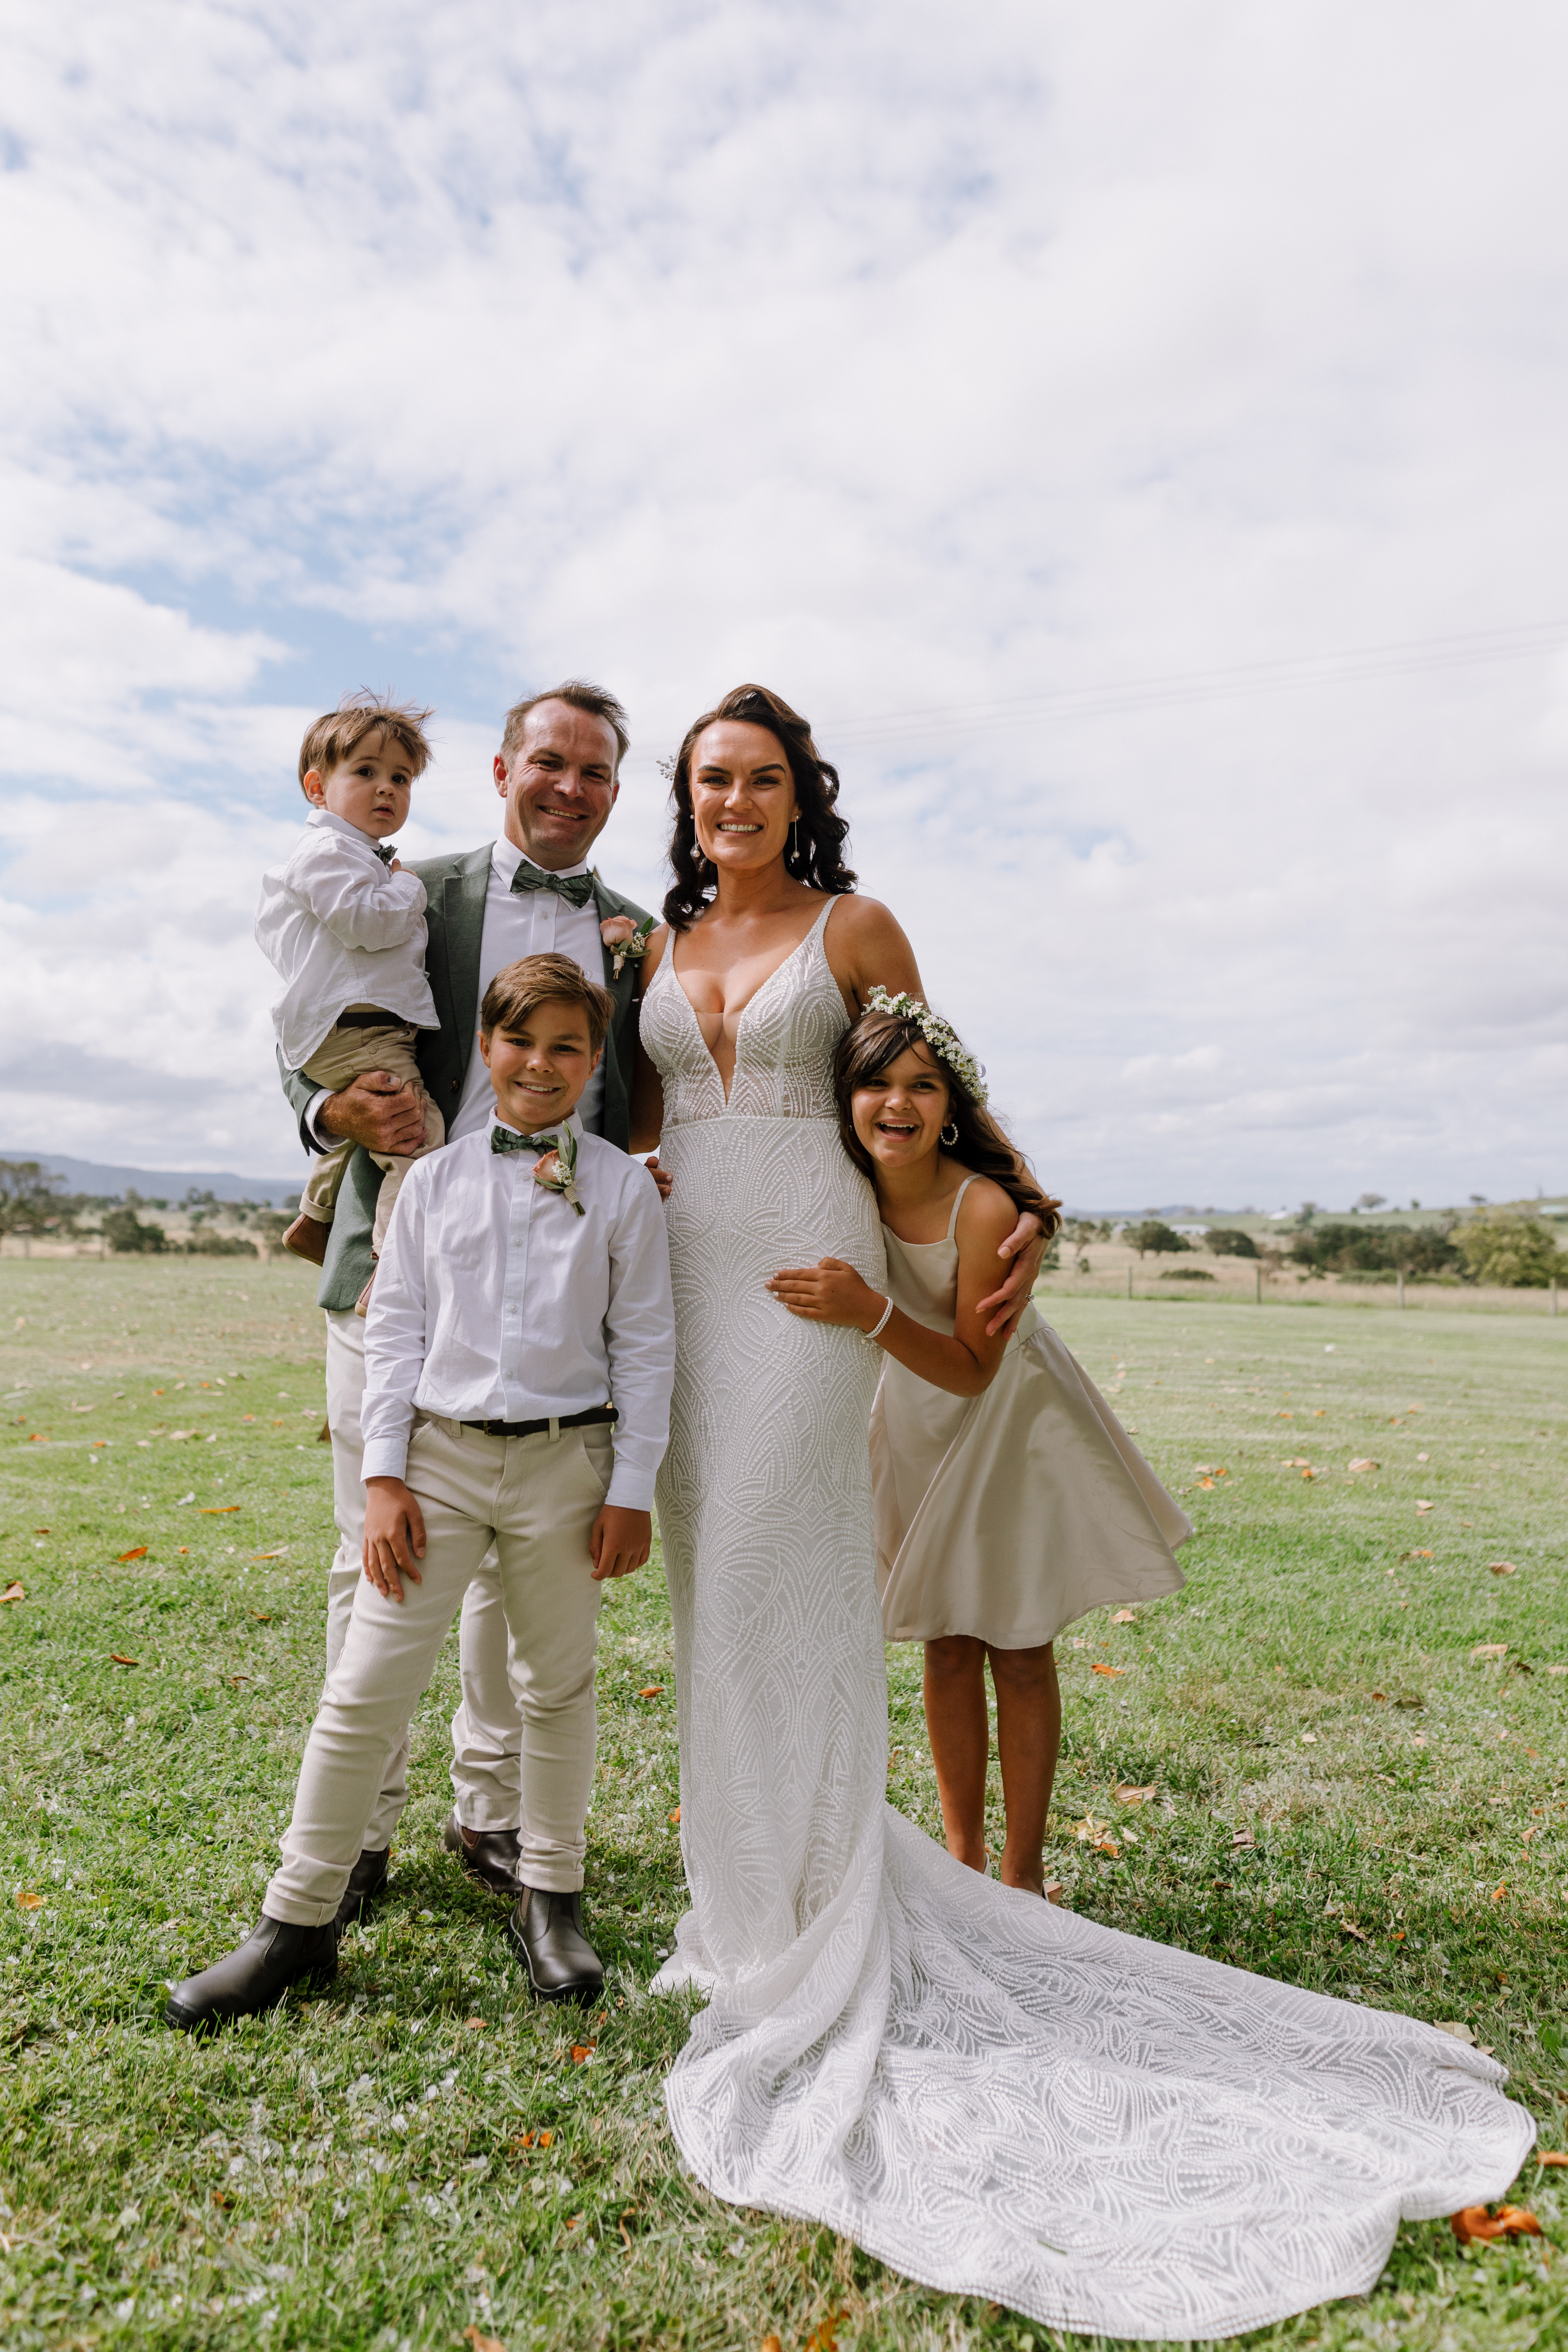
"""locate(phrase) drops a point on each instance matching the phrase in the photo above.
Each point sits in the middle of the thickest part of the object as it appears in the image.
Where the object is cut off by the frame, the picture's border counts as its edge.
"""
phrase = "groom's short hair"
(580, 696)
(520, 988)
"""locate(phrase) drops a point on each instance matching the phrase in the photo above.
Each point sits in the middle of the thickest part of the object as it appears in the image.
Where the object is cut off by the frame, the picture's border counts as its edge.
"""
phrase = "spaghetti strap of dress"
(957, 1205)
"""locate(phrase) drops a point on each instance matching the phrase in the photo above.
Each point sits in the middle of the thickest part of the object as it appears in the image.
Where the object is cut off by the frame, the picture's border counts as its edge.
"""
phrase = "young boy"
(344, 925)
(522, 1310)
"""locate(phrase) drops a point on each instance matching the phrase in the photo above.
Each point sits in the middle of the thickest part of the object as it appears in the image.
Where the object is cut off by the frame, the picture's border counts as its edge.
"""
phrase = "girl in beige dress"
(1008, 1497)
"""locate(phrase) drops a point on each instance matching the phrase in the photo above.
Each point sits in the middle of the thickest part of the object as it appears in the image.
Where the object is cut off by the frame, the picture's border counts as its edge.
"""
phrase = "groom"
(530, 892)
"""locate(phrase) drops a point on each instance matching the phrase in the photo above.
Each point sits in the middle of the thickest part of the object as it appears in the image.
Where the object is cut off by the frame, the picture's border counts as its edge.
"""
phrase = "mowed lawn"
(1351, 1725)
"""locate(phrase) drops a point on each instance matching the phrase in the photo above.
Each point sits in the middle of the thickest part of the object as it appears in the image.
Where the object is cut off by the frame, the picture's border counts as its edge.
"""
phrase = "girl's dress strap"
(957, 1205)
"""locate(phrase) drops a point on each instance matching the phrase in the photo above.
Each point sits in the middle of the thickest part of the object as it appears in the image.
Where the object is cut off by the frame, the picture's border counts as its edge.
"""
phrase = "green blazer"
(454, 887)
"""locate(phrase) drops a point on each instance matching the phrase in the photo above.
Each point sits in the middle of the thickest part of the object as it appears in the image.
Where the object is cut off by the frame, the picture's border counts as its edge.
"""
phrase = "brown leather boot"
(488, 1855)
(307, 1238)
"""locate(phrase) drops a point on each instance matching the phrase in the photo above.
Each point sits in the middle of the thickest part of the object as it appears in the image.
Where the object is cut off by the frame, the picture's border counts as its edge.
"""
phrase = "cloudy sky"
(1133, 435)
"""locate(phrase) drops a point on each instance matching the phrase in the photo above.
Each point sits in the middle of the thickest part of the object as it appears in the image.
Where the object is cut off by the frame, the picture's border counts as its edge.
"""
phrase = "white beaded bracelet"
(880, 1324)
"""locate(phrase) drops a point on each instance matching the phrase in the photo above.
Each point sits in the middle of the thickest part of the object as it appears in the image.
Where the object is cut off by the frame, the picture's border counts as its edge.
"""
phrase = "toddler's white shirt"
(495, 1301)
(340, 930)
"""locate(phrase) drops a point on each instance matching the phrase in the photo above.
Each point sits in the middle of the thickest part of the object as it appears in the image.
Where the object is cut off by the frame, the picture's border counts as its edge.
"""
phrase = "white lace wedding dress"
(992, 2095)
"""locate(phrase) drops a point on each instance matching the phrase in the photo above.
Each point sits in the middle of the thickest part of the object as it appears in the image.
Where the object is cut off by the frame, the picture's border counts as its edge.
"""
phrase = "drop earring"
(949, 1133)
(794, 846)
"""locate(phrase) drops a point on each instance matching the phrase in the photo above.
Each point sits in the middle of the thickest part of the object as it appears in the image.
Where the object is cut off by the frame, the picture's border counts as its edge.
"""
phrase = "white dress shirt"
(340, 930)
(516, 923)
(495, 1301)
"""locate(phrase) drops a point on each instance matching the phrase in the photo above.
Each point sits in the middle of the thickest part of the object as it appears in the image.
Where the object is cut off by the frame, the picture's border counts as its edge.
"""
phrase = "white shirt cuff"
(385, 1457)
(631, 1489)
(318, 1134)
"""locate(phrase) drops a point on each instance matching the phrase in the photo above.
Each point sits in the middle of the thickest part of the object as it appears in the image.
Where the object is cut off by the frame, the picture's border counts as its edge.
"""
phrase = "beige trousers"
(343, 1055)
(486, 1732)
(536, 1498)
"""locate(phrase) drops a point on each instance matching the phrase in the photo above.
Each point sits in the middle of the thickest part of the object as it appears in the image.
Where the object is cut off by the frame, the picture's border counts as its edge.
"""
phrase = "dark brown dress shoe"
(367, 1879)
(307, 1238)
(274, 1956)
(546, 1933)
(488, 1855)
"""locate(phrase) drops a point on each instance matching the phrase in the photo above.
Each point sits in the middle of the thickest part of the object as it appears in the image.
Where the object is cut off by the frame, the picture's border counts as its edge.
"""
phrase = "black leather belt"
(369, 1017)
(596, 1417)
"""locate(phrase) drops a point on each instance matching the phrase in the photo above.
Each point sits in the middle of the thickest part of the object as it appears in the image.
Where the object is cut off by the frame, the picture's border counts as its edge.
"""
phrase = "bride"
(992, 2095)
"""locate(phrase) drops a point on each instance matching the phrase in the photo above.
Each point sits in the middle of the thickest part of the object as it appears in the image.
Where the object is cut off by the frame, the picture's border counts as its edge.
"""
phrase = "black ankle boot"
(367, 1880)
(488, 1855)
(274, 1956)
(546, 1933)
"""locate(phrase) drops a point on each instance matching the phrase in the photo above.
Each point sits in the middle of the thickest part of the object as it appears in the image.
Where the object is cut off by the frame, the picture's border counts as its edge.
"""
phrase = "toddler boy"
(344, 925)
(522, 1310)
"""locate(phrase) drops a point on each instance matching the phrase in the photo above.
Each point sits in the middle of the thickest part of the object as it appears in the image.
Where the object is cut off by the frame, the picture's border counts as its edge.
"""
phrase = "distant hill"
(94, 1177)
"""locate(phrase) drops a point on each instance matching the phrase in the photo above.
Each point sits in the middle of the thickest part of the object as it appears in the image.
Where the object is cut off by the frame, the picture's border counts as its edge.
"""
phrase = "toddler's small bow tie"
(507, 1139)
(385, 851)
(575, 888)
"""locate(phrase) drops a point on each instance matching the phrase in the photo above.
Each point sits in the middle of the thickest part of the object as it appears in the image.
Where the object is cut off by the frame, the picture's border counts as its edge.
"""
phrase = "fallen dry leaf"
(675, 1818)
(1420, 1507)
(1348, 1927)
(260, 1617)
(1125, 1617)
(222, 2197)
(217, 1510)
(1382, 1695)
(654, 1690)
(1501, 1567)
(1205, 1483)
(1108, 1670)
(14, 1592)
(1126, 1794)
(824, 2336)
(768, 2344)
(475, 2025)
(1550, 1670)
(1242, 1838)
(27, 1900)
(117, 1658)
(480, 2342)
(138, 1553)
(1475, 2225)
(1416, 1555)
(1457, 2032)
(1365, 1462)
(1551, 2156)
(1053, 1890)
(582, 2052)
(1489, 1650)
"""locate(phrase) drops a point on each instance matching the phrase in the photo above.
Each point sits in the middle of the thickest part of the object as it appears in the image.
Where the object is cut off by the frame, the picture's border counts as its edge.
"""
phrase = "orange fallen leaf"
(654, 1690)
(582, 2052)
(217, 1510)
(1108, 1670)
(43, 1531)
(824, 2336)
(267, 1555)
(117, 1658)
(475, 2025)
(1500, 1892)
(1476, 2225)
(1417, 1555)
(481, 2342)
(27, 1900)
(675, 1818)
(37, 1438)
(1551, 2156)
(1502, 1568)
(1125, 1793)
(1125, 1617)
(260, 1618)
(1382, 1695)
(138, 1553)
(1205, 1483)
(13, 1592)
(768, 2344)
(222, 2197)
(1284, 1416)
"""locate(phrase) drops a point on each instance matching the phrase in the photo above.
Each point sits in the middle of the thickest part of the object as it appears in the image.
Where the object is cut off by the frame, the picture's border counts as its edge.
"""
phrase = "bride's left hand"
(828, 1292)
(1027, 1243)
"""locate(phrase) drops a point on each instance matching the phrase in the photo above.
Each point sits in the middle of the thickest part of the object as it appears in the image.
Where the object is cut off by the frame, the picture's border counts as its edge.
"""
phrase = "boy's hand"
(621, 1540)
(379, 1111)
(661, 1176)
(828, 1292)
(394, 1536)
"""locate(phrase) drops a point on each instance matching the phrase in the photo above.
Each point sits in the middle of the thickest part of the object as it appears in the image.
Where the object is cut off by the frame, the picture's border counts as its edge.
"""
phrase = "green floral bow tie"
(507, 1139)
(575, 888)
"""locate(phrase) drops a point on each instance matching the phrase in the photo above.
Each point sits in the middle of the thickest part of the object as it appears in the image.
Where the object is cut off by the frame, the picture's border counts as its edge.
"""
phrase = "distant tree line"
(34, 1205)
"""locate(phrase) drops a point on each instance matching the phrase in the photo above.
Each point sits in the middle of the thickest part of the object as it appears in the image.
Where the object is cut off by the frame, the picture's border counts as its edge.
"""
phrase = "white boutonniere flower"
(556, 1172)
(628, 940)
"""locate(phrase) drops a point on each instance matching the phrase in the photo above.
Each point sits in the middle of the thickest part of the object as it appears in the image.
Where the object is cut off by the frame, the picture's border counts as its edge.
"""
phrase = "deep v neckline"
(761, 989)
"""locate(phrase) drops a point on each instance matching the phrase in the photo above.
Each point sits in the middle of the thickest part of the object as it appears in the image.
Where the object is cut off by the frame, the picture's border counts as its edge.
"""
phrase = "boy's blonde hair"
(522, 987)
(337, 735)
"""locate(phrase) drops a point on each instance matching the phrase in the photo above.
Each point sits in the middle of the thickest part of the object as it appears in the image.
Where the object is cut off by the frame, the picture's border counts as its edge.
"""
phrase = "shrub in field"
(127, 1236)
(1188, 1274)
(1345, 1248)
(1517, 1253)
(205, 1245)
(1229, 1241)
(1153, 1235)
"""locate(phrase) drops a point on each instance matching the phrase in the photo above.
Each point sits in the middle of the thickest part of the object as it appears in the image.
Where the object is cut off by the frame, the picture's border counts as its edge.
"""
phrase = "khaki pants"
(536, 1498)
(343, 1055)
(486, 1733)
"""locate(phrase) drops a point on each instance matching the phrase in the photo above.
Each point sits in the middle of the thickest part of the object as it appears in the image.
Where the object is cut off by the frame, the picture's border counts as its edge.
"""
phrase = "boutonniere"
(556, 1172)
(628, 940)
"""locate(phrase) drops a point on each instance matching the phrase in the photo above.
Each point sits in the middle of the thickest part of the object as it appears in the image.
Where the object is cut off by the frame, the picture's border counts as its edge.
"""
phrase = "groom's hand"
(1027, 1242)
(394, 1536)
(379, 1111)
(621, 1540)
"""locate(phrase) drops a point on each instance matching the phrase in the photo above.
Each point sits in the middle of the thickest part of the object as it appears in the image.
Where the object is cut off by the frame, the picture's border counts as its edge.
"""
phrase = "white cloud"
(908, 360)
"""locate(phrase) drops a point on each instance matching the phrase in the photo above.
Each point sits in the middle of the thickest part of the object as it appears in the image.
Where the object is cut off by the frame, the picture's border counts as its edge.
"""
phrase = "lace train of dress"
(992, 2095)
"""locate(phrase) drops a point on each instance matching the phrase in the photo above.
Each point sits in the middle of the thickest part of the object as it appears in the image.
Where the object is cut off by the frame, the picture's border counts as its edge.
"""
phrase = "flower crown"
(940, 1036)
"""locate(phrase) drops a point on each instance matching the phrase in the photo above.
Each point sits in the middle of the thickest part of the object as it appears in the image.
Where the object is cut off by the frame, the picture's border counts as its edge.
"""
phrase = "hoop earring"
(950, 1139)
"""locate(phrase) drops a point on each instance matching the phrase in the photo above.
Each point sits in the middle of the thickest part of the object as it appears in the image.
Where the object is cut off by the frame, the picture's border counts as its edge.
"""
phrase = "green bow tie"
(507, 1139)
(385, 851)
(575, 888)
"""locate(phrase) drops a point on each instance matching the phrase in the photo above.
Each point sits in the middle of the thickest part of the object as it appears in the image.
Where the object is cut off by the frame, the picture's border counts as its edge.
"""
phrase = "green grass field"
(1354, 1729)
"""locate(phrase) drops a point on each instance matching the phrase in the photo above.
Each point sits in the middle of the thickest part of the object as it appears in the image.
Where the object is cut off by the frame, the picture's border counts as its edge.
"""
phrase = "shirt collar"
(329, 819)
(506, 857)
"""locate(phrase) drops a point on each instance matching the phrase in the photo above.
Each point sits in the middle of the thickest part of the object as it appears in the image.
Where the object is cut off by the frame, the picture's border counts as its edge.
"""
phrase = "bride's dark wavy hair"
(865, 1052)
(816, 857)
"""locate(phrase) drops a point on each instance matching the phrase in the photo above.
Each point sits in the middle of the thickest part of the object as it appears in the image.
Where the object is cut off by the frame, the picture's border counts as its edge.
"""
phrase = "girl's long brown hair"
(865, 1052)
